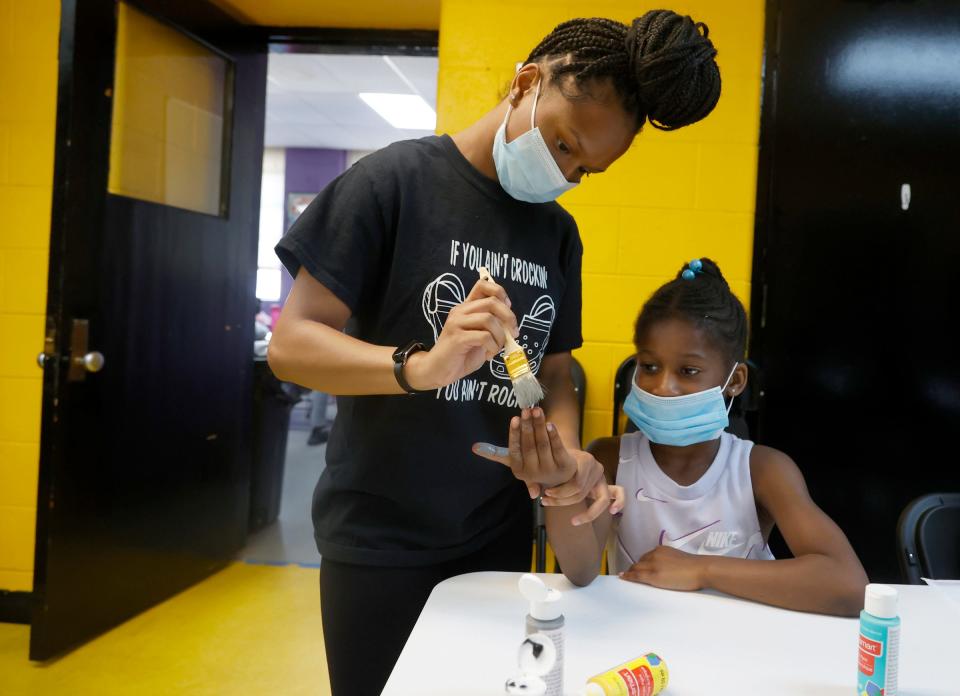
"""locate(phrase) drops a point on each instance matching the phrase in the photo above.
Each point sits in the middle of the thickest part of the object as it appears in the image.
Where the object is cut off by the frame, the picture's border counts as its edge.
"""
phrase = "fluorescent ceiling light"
(402, 110)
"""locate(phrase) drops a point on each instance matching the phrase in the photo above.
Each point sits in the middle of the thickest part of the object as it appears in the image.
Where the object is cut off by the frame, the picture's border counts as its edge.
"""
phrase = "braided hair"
(707, 302)
(662, 66)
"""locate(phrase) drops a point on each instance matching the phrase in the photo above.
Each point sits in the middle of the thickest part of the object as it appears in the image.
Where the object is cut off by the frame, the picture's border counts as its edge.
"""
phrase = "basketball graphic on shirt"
(534, 334)
(439, 297)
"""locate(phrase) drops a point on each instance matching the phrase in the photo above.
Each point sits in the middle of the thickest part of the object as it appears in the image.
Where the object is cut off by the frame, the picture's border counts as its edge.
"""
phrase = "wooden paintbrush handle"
(510, 345)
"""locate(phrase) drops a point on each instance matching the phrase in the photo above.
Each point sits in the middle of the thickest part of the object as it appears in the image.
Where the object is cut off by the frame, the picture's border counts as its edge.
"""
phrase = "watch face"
(400, 354)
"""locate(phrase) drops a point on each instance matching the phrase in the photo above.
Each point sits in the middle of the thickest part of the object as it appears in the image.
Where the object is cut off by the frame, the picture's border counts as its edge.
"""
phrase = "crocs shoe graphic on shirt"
(439, 297)
(534, 334)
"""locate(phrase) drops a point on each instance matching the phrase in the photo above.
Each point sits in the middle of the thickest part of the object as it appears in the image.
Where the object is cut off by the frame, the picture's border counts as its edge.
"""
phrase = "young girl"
(698, 504)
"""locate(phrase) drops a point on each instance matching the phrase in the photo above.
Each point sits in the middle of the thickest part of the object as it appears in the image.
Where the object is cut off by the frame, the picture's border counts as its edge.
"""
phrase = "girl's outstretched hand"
(537, 456)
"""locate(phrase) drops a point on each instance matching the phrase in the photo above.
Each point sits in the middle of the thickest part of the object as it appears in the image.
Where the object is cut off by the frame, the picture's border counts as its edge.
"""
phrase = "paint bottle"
(535, 659)
(545, 617)
(644, 676)
(879, 642)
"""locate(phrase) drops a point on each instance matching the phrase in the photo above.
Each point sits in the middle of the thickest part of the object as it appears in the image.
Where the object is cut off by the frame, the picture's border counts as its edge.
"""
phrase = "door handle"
(92, 361)
(82, 360)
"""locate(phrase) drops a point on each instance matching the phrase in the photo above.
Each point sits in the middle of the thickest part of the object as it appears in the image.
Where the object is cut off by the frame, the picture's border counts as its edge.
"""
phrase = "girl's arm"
(825, 575)
(580, 502)
(579, 545)
(309, 347)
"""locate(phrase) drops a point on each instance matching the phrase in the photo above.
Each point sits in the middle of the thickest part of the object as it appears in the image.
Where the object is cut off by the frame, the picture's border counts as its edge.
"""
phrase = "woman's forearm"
(320, 357)
(814, 582)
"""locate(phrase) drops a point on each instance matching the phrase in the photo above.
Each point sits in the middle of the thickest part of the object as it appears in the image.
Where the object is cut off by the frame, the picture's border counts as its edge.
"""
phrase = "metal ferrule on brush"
(517, 365)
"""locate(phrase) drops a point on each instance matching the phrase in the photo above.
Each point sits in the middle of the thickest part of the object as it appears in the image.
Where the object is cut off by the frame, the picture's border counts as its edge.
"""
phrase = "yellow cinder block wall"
(674, 196)
(28, 91)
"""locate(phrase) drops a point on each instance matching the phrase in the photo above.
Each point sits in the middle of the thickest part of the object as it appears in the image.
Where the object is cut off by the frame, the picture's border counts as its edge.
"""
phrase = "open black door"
(857, 250)
(144, 471)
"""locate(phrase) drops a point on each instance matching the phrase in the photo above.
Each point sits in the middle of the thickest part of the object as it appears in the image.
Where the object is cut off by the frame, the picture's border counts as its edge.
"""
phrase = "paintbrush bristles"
(527, 389)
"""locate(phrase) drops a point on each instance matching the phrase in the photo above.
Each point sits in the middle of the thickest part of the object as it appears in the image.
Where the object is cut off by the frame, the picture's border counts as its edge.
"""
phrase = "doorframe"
(396, 42)
(763, 222)
(15, 606)
(333, 41)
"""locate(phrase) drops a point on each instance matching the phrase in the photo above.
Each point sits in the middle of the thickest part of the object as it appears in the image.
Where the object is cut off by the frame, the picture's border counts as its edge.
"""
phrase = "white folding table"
(466, 640)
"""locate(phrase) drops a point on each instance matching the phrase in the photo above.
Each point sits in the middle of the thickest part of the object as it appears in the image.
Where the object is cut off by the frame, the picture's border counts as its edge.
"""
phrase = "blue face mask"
(679, 420)
(525, 167)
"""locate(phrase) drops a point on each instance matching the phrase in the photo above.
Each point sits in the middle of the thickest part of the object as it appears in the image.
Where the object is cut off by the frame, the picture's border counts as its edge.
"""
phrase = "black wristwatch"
(400, 356)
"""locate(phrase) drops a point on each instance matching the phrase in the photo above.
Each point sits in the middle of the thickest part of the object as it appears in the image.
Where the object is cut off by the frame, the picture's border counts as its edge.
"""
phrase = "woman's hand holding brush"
(474, 332)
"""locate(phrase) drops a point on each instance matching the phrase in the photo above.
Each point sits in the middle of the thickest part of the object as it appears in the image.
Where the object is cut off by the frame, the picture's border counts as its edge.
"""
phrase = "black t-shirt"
(398, 238)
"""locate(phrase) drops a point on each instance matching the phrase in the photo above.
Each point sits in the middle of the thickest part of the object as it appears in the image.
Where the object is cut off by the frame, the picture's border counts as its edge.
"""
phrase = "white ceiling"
(312, 99)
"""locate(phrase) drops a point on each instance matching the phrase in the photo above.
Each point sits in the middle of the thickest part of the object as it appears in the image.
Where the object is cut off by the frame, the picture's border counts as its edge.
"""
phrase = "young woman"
(390, 251)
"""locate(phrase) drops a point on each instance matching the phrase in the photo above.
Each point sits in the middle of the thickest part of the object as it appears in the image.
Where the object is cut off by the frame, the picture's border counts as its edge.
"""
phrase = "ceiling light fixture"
(402, 110)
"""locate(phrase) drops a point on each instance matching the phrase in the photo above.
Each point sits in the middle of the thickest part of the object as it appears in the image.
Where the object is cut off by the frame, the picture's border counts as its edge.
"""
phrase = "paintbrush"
(525, 385)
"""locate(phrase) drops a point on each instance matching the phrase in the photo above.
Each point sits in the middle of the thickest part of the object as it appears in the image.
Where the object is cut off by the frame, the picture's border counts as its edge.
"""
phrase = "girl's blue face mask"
(525, 167)
(679, 420)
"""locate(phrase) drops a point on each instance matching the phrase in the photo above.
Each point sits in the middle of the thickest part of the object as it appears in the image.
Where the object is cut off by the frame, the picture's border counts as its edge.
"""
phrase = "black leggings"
(360, 601)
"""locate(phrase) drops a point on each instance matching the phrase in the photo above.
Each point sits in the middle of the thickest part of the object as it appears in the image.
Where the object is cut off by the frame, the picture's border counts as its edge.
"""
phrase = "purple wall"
(308, 170)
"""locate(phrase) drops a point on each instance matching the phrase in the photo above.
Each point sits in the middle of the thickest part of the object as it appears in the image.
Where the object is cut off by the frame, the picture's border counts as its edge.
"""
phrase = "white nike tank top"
(716, 515)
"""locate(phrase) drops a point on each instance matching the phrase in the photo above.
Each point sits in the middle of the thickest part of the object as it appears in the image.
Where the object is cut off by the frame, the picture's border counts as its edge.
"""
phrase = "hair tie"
(692, 269)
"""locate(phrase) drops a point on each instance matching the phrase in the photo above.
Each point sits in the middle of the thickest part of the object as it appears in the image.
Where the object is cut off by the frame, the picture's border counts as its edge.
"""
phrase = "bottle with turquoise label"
(879, 643)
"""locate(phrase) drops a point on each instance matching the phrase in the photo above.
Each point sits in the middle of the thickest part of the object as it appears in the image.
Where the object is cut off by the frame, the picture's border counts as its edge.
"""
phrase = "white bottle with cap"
(879, 645)
(545, 617)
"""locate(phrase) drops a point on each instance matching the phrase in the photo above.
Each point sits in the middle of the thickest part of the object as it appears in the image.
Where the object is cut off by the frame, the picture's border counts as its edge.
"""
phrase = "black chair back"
(928, 538)
(621, 389)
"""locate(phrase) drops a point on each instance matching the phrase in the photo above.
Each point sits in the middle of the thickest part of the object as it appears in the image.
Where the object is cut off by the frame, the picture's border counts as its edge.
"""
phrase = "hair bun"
(672, 63)
(708, 268)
